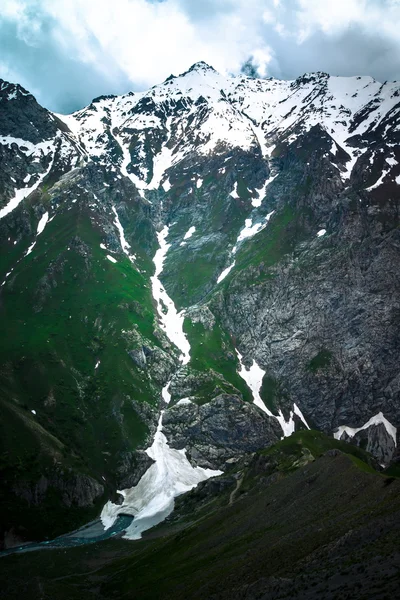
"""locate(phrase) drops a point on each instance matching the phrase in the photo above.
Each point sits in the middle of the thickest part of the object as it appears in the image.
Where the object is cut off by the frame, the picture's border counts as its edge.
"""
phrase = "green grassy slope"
(65, 309)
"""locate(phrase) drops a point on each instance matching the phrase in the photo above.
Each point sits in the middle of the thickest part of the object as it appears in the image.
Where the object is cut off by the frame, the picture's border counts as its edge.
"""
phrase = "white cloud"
(268, 17)
(133, 44)
(280, 29)
(332, 18)
(147, 40)
(261, 59)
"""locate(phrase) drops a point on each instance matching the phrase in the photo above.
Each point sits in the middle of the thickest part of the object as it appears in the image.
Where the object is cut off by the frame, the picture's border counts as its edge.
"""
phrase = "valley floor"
(328, 529)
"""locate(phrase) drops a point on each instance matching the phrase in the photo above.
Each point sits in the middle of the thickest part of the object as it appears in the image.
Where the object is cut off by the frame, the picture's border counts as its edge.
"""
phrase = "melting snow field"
(171, 475)
(253, 377)
(152, 499)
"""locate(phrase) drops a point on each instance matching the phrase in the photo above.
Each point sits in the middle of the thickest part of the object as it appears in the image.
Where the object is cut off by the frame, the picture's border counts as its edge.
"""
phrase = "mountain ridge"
(280, 203)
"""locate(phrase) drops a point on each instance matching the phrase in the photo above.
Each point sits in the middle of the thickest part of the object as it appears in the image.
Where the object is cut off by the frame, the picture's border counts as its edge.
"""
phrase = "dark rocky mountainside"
(225, 249)
(305, 519)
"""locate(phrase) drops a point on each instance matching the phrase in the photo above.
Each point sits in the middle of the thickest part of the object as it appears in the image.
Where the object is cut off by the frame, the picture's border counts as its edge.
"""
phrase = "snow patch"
(226, 272)
(6, 277)
(165, 393)
(23, 193)
(166, 185)
(298, 412)
(111, 258)
(189, 233)
(256, 202)
(126, 160)
(376, 420)
(42, 223)
(249, 230)
(321, 232)
(254, 377)
(391, 161)
(184, 401)
(379, 182)
(234, 193)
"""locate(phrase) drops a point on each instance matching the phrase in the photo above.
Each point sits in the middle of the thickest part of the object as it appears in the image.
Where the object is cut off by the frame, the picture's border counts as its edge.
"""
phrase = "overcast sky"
(66, 52)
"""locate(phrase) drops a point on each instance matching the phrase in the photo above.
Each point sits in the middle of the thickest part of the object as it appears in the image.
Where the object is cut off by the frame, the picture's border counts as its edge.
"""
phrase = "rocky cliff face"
(281, 201)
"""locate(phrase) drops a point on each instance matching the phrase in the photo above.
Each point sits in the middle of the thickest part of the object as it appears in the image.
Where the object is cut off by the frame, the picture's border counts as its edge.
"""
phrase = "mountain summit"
(201, 67)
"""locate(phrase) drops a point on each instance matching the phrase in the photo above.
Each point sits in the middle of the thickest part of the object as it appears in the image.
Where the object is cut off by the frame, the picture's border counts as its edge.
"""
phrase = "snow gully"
(171, 474)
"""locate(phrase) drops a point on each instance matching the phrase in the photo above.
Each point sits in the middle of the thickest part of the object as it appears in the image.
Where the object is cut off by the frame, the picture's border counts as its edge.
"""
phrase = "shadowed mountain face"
(254, 221)
(305, 519)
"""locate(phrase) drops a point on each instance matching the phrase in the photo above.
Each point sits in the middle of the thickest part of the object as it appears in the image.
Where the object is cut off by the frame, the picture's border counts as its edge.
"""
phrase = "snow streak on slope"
(189, 232)
(226, 272)
(249, 230)
(126, 159)
(256, 202)
(376, 420)
(152, 499)
(43, 221)
(254, 377)
(124, 244)
(20, 194)
(41, 225)
(171, 320)
(188, 235)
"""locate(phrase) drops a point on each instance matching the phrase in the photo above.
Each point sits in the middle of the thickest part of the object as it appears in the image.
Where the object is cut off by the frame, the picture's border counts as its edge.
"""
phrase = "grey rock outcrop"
(376, 440)
(132, 466)
(218, 431)
(74, 489)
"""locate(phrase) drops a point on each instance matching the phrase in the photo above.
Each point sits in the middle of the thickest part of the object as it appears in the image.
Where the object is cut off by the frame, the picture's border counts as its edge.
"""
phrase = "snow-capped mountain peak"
(211, 246)
(202, 111)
